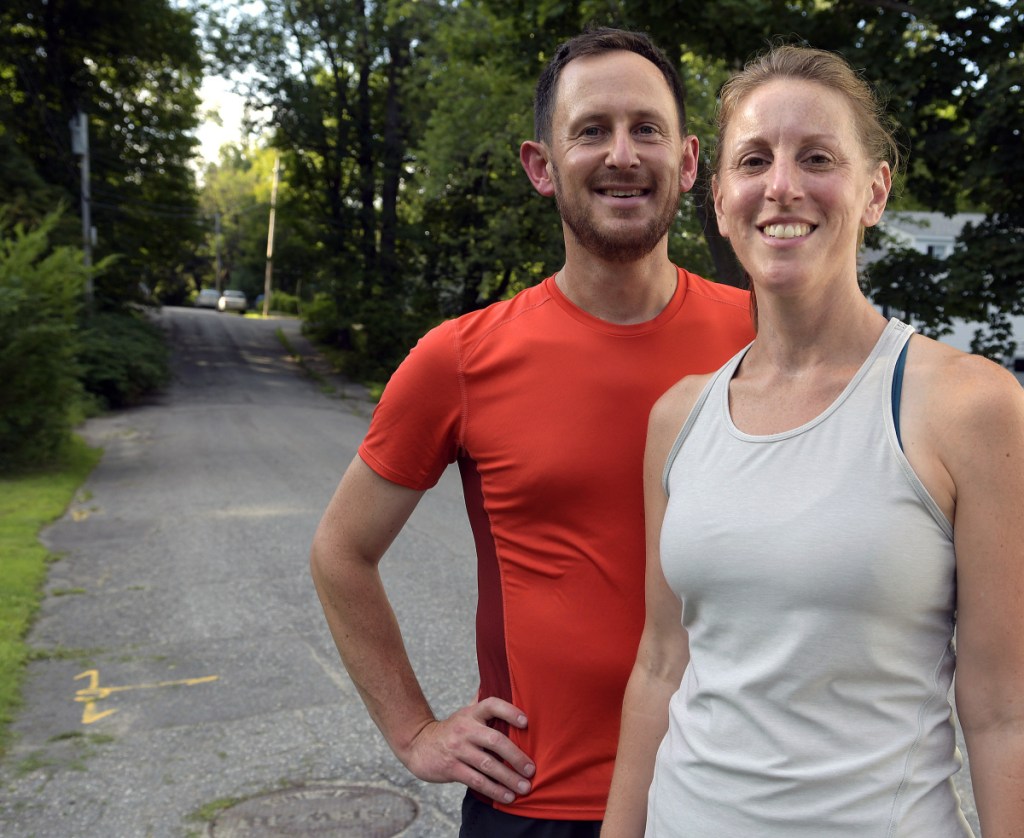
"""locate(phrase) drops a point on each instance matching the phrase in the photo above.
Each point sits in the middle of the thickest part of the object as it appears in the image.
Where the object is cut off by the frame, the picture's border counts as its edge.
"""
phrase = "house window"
(937, 250)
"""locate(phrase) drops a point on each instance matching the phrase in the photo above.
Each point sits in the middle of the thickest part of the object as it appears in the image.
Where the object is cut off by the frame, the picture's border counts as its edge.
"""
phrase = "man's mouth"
(623, 193)
(787, 231)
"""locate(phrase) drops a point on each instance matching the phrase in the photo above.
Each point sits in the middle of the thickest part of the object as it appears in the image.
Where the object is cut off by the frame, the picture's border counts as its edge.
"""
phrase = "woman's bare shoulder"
(960, 386)
(668, 416)
(671, 410)
(680, 398)
(970, 402)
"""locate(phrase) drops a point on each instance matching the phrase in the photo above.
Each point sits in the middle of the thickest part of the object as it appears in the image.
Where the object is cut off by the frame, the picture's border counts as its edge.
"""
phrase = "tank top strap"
(899, 334)
(894, 339)
(718, 380)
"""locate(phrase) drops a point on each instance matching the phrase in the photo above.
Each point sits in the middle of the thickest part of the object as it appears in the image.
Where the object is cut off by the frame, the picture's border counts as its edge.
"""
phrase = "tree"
(335, 82)
(399, 123)
(40, 292)
(485, 233)
(952, 76)
(237, 190)
(133, 67)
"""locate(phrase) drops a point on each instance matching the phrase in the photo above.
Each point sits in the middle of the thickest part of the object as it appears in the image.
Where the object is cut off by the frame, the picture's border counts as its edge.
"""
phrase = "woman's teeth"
(787, 231)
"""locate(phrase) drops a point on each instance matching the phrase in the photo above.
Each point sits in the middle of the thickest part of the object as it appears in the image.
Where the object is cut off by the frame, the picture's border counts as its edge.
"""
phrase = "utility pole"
(79, 126)
(216, 245)
(270, 236)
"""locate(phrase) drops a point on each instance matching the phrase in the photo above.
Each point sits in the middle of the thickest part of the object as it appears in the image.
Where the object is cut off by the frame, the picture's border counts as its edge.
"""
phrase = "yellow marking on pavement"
(94, 692)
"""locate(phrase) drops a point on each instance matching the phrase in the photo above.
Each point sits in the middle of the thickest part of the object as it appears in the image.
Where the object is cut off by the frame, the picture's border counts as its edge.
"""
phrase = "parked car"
(232, 300)
(207, 298)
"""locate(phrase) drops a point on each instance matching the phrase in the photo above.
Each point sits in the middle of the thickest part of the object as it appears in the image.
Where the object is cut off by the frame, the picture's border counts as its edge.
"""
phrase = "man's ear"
(534, 157)
(688, 165)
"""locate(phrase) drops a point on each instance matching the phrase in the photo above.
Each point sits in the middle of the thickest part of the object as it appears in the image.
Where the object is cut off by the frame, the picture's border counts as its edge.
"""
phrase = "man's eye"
(591, 131)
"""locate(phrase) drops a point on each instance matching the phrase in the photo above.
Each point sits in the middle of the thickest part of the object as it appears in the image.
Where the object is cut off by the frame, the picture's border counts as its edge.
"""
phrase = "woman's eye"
(753, 163)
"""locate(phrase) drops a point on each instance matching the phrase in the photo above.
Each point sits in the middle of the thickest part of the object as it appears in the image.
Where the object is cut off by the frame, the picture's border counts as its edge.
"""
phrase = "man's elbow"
(322, 559)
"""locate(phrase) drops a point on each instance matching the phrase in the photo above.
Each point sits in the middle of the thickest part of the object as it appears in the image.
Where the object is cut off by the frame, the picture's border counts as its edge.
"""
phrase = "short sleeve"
(414, 432)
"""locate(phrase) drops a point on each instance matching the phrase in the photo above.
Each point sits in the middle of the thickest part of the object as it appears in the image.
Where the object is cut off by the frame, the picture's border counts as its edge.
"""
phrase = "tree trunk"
(728, 269)
(364, 154)
(392, 156)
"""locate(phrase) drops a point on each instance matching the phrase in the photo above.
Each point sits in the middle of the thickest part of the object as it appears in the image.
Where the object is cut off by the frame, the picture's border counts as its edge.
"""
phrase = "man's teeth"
(624, 193)
(787, 231)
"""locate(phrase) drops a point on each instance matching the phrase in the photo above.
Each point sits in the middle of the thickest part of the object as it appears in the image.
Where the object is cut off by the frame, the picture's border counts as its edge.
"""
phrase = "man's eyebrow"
(639, 115)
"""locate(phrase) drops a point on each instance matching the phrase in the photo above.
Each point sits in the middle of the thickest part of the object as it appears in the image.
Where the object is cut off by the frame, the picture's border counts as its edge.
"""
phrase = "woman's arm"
(663, 652)
(983, 450)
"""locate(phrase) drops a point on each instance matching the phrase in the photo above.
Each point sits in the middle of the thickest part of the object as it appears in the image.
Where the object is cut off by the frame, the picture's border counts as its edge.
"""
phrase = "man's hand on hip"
(463, 749)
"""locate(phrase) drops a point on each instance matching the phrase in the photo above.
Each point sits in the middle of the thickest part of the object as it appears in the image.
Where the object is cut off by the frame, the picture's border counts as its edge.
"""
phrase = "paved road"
(184, 591)
(182, 659)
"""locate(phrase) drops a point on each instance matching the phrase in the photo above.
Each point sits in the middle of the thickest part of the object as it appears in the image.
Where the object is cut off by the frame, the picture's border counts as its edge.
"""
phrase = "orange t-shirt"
(545, 409)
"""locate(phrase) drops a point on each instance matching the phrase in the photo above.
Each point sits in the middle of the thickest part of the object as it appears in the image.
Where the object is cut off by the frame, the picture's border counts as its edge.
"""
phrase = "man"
(543, 401)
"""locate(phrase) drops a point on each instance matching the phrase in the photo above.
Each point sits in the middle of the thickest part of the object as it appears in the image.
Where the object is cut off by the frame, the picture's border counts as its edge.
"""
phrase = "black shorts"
(479, 820)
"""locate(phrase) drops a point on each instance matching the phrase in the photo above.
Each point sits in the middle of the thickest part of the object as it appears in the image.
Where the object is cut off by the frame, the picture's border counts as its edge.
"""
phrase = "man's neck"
(620, 292)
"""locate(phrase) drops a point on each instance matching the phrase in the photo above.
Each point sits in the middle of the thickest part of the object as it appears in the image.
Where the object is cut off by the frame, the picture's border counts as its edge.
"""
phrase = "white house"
(934, 233)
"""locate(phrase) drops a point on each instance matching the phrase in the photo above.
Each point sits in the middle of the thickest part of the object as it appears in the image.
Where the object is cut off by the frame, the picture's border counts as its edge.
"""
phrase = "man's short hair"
(594, 42)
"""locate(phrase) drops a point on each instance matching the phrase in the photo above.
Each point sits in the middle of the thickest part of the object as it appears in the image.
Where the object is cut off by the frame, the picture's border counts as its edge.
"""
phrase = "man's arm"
(363, 518)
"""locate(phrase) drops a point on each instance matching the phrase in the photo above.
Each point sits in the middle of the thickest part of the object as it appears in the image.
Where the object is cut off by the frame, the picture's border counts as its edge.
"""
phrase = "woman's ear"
(716, 194)
(878, 196)
(534, 157)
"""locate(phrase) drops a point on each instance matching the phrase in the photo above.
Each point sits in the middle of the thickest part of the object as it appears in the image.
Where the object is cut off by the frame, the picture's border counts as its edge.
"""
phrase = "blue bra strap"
(897, 389)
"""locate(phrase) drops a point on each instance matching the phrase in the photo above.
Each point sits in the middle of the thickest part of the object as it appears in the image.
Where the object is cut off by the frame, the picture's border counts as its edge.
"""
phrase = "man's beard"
(614, 246)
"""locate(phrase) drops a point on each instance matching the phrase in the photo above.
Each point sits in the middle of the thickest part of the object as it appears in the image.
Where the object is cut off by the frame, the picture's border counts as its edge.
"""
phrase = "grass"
(79, 747)
(210, 811)
(325, 386)
(29, 501)
(85, 657)
(335, 358)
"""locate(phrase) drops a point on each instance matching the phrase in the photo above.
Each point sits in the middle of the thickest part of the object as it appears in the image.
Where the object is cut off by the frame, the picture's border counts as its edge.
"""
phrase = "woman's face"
(794, 186)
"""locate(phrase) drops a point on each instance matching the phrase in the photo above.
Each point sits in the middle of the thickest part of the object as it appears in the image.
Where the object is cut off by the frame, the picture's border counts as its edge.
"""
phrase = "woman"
(821, 513)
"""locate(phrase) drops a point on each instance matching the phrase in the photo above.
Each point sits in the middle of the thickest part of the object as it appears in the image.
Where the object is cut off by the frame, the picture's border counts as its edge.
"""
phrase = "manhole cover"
(340, 811)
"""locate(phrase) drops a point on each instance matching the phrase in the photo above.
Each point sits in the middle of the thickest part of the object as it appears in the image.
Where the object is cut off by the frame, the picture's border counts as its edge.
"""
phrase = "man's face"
(616, 159)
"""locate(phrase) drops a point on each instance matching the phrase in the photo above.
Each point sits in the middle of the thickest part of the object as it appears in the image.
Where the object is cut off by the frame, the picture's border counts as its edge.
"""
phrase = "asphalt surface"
(182, 659)
(182, 662)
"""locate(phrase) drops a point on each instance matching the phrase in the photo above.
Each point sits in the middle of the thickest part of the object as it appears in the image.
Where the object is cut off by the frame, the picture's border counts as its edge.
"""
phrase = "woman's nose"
(783, 181)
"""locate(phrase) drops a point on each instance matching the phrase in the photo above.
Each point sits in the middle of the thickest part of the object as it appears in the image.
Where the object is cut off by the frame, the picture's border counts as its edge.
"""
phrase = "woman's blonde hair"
(875, 128)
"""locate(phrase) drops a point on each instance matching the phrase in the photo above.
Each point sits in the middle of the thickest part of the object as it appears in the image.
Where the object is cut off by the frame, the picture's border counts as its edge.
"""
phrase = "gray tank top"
(818, 584)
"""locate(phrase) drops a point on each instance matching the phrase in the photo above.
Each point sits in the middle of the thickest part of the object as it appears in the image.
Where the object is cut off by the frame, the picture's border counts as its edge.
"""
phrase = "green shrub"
(41, 290)
(123, 357)
(322, 323)
(283, 302)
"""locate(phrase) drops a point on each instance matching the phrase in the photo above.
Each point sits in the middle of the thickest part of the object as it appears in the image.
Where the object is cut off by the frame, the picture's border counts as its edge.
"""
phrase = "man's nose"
(622, 152)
